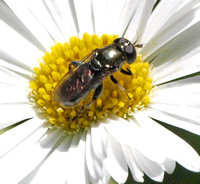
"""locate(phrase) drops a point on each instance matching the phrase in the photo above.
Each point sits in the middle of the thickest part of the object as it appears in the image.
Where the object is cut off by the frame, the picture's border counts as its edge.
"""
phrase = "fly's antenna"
(134, 43)
(139, 45)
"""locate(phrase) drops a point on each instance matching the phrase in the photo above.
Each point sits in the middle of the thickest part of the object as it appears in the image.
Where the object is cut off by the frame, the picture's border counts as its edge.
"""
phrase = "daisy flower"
(43, 143)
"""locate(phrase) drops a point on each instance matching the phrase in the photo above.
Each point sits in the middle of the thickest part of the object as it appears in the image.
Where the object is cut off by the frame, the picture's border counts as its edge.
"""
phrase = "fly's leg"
(126, 72)
(74, 64)
(96, 95)
(120, 87)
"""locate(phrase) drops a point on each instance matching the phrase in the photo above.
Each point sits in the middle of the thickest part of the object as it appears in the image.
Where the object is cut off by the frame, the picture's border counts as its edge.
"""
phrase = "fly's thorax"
(109, 57)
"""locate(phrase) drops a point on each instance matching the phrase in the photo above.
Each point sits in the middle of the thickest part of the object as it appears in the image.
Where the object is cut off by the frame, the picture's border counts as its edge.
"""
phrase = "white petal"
(182, 20)
(136, 171)
(84, 15)
(106, 177)
(176, 69)
(99, 10)
(77, 165)
(166, 13)
(186, 113)
(151, 169)
(175, 121)
(8, 77)
(16, 50)
(169, 165)
(10, 139)
(13, 99)
(99, 141)
(128, 9)
(139, 20)
(115, 161)
(171, 91)
(11, 19)
(114, 9)
(41, 13)
(181, 46)
(25, 156)
(177, 103)
(53, 170)
(28, 19)
(13, 113)
(99, 145)
(12, 94)
(8, 64)
(94, 165)
(63, 13)
(65, 163)
(172, 146)
(112, 16)
(116, 126)
(130, 134)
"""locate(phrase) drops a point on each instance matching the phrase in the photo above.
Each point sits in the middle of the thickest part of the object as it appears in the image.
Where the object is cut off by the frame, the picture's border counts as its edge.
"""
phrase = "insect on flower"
(89, 73)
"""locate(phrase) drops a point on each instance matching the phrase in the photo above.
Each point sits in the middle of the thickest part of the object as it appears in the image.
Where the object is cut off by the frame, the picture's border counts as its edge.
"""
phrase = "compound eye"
(126, 48)
(120, 41)
(130, 53)
(129, 49)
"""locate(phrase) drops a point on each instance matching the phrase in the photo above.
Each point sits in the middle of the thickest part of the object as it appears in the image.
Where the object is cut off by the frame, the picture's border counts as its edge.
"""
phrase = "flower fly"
(90, 72)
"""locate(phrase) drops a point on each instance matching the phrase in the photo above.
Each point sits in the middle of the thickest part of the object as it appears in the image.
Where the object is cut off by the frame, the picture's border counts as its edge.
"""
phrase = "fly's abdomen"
(75, 88)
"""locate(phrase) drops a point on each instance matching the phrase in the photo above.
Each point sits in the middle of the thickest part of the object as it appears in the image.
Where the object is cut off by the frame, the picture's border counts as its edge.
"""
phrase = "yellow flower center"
(54, 65)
